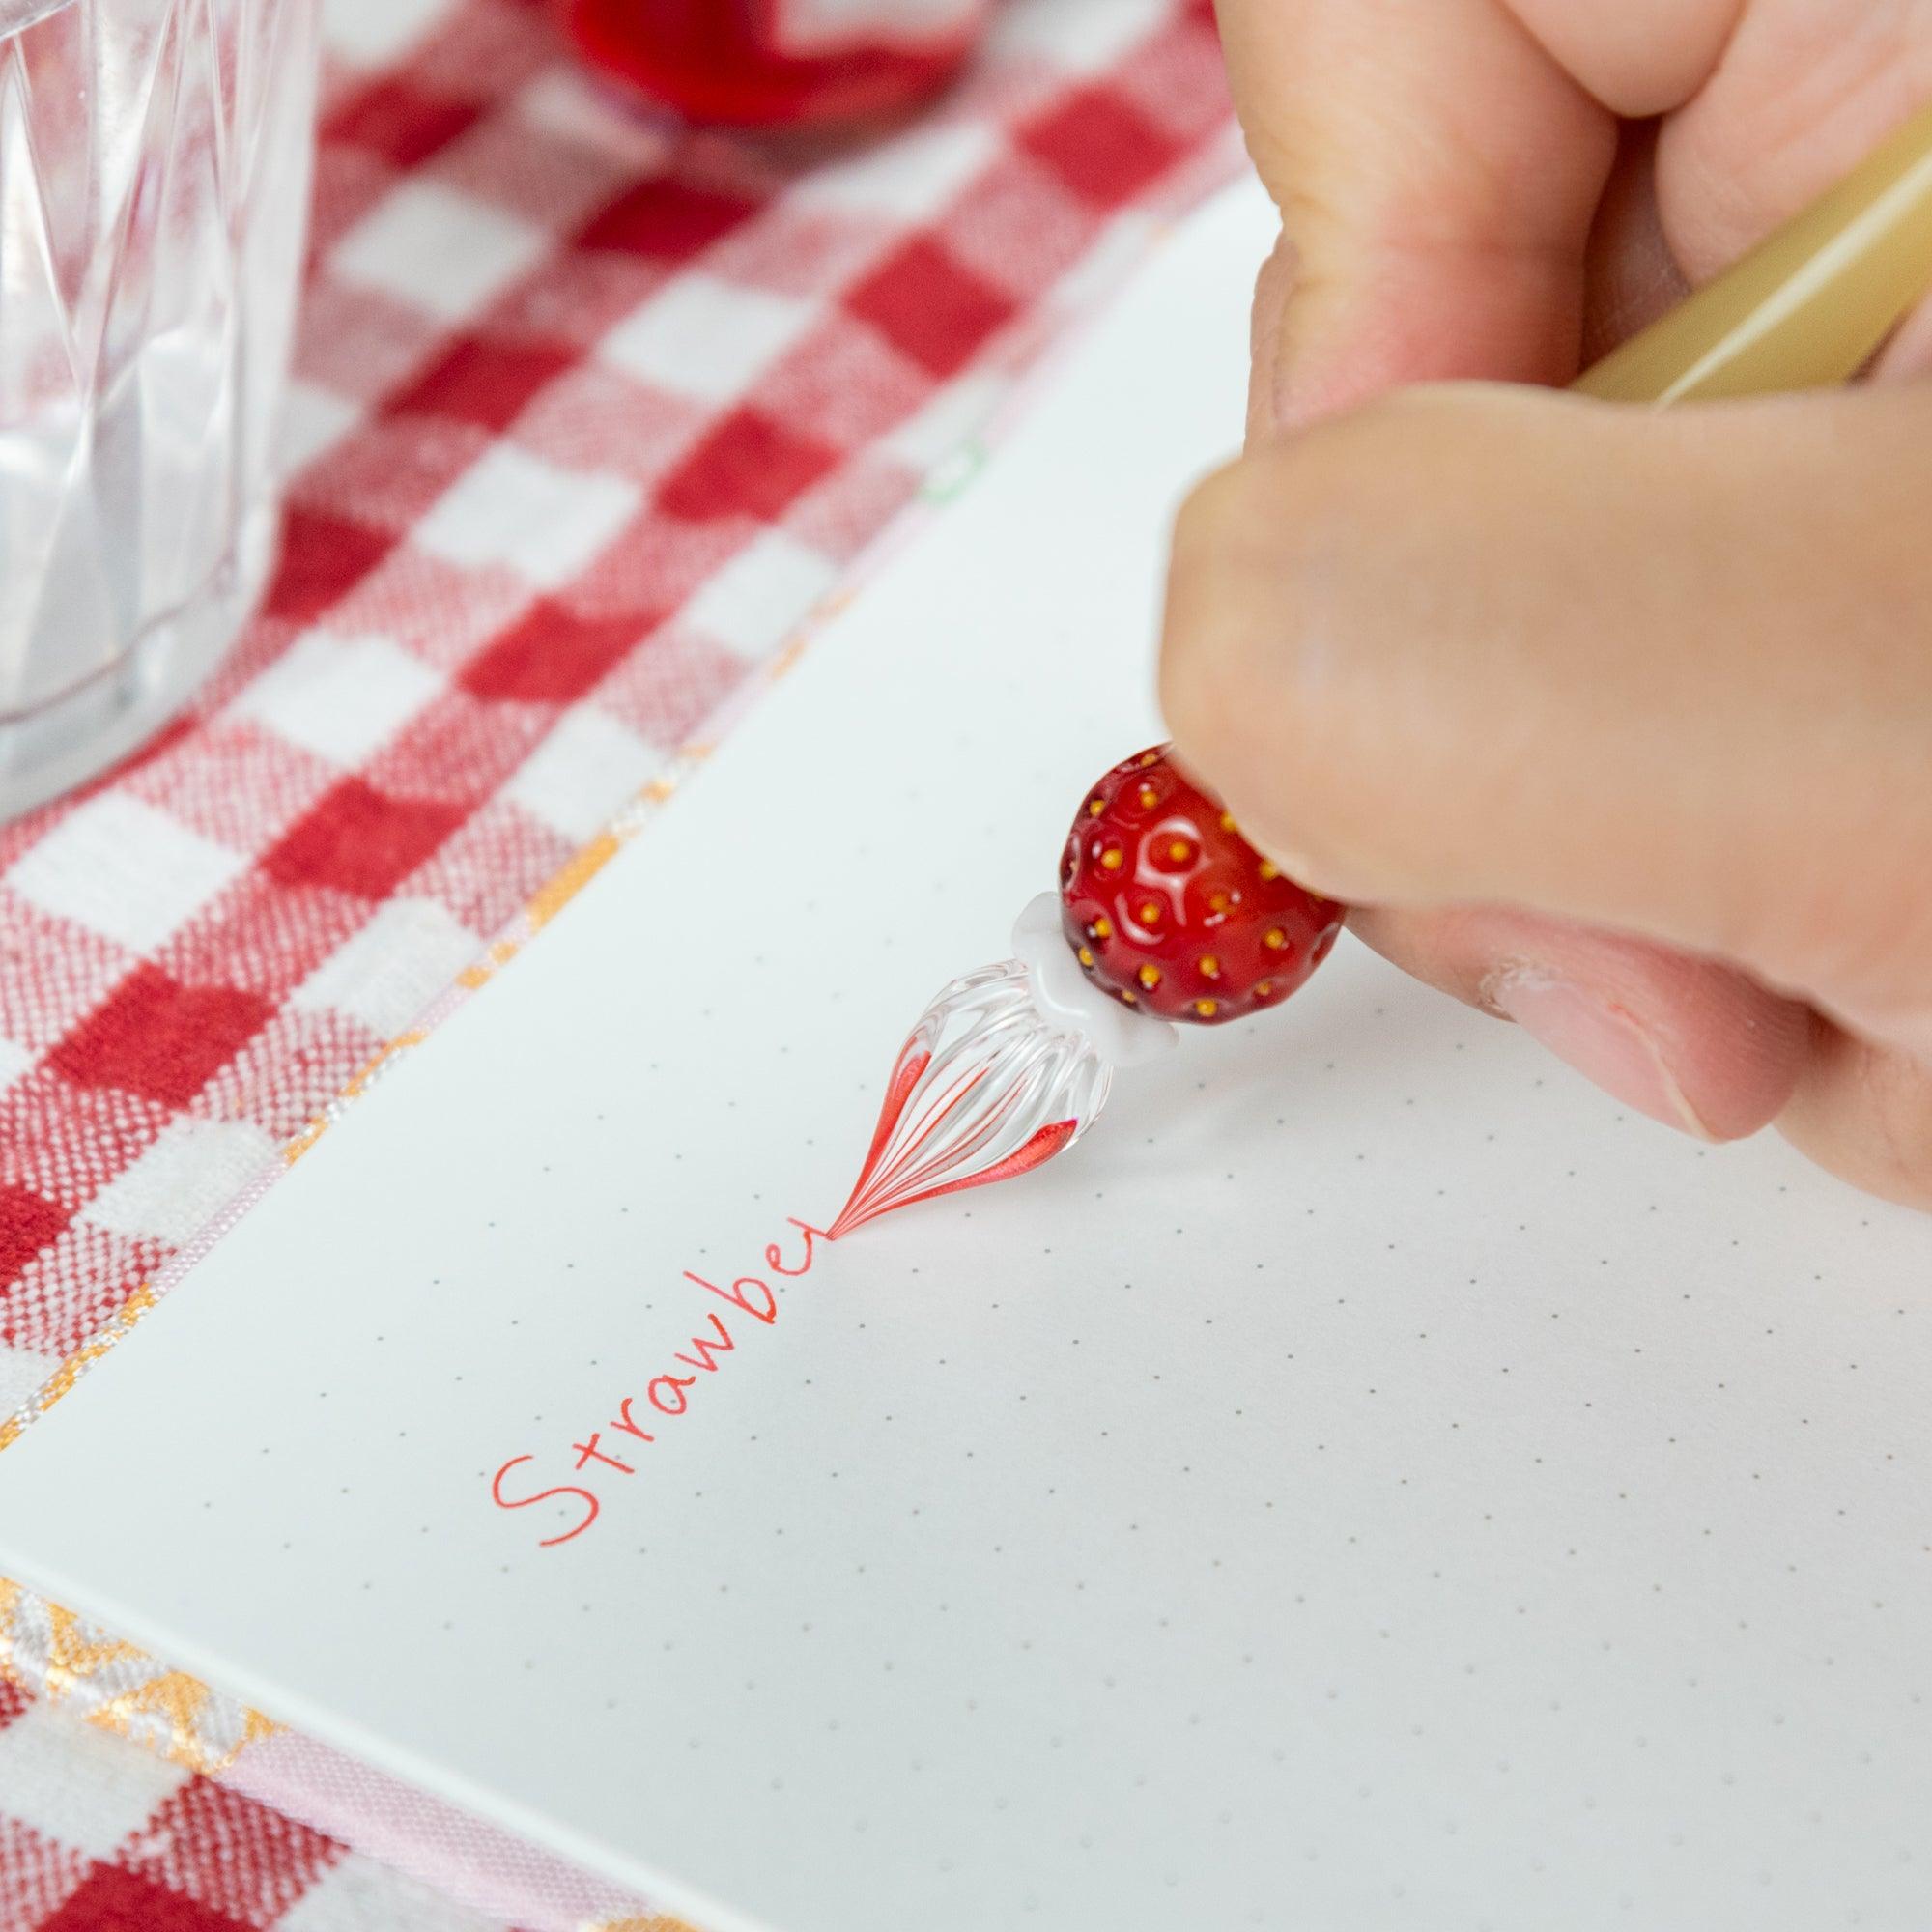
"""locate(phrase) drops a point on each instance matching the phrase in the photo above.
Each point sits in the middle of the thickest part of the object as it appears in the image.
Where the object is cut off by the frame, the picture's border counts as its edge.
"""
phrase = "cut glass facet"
(155, 164)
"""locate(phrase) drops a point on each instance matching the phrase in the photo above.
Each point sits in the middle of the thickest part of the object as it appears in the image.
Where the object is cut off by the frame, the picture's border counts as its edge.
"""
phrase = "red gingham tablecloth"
(588, 413)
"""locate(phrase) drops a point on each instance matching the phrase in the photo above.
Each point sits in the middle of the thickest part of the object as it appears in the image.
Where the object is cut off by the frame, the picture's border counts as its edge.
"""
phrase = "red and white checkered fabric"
(98, 1835)
(587, 415)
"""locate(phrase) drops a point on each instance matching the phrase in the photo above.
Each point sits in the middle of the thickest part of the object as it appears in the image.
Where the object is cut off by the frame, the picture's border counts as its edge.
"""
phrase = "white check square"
(1074, 36)
(579, 775)
(389, 972)
(192, 1171)
(340, 698)
(955, 415)
(21, 1372)
(544, 523)
(912, 176)
(312, 419)
(439, 251)
(15, 1060)
(567, 101)
(369, 33)
(356, 1894)
(757, 598)
(705, 338)
(80, 1787)
(124, 870)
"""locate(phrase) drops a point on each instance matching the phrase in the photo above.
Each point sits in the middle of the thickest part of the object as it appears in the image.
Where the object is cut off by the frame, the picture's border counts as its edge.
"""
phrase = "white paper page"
(1371, 1482)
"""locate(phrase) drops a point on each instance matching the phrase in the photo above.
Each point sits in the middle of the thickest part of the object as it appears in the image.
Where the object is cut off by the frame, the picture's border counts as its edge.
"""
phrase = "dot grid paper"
(1374, 1483)
(586, 415)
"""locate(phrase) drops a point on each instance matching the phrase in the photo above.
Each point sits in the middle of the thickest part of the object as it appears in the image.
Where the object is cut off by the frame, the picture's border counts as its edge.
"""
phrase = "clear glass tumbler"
(155, 166)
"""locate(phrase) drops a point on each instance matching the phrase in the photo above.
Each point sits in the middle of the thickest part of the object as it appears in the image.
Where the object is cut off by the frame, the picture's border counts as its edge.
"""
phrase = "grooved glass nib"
(985, 1087)
(1006, 1069)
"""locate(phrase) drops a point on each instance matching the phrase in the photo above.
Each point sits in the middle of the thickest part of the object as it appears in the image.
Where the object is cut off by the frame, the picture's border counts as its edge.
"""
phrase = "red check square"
(28, 1224)
(484, 382)
(747, 465)
(666, 221)
(230, 1853)
(323, 556)
(159, 1039)
(113, 1899)
(1105, 150)
(551, 655)
(361, 840)
(928, 306)
(402, 123)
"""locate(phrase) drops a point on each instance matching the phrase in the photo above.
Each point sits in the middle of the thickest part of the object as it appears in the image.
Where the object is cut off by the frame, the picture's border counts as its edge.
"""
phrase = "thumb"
(1437, 173)
(1662, 673)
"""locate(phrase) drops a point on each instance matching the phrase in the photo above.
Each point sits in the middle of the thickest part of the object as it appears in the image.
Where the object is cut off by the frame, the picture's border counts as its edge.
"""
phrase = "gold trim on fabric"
(78, 1363)
(110, 1683)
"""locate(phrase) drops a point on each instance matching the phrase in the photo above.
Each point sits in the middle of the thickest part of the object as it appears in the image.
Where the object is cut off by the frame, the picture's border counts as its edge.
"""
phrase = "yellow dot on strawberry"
(1198, 954)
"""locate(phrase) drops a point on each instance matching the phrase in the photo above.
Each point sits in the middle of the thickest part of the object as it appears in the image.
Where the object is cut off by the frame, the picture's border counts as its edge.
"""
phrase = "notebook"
(1371, 1481)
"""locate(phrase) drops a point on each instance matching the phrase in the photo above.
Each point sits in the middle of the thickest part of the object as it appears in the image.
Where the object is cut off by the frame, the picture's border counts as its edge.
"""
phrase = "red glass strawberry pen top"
(1165, 912)
(1170, 909)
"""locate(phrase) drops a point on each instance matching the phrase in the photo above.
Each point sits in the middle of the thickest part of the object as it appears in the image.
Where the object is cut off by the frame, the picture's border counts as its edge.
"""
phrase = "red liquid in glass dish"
(778, 63)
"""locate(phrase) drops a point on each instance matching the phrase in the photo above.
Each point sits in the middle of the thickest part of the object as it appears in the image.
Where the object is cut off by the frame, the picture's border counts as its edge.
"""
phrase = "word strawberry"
(1172, 911)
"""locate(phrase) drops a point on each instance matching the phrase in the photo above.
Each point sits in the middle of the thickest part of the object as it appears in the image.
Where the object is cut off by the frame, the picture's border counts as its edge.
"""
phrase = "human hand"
(1617, 724)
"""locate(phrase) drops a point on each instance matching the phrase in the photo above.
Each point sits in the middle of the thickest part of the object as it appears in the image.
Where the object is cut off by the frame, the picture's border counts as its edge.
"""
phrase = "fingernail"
(1602, 1041)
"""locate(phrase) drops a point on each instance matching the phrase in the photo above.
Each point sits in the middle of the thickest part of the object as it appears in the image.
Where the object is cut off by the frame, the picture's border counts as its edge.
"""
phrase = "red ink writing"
(588, 1452)
(776, 1266)
(704, 1358)
(666, 1393)
(576, 1506)
(622, 1420)
(584, 1496)
(768, 1312)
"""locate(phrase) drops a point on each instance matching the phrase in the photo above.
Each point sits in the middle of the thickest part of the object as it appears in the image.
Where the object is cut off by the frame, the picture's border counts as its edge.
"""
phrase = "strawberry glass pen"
(1165, 914)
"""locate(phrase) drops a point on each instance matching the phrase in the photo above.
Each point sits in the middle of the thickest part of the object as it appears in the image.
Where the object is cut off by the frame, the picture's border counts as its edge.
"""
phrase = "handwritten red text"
(662, 1398)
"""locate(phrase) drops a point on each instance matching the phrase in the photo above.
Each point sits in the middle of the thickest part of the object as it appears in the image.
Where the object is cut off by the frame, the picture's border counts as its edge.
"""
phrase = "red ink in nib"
(985, 1089)
(866, 1206)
